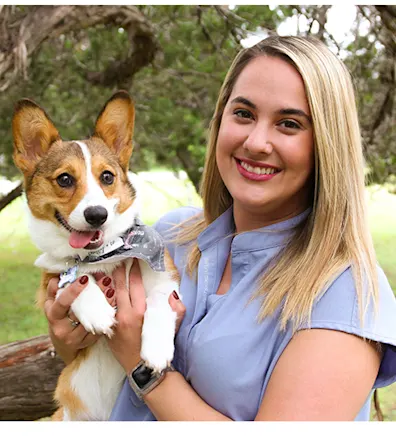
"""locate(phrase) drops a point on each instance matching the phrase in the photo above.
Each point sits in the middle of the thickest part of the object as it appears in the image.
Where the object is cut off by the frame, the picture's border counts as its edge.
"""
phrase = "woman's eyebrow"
(297, 112)
(244, 101)
(288, 111)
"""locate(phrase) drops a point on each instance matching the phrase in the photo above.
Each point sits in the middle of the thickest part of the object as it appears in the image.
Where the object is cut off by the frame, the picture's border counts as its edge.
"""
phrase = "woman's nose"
(258, 141)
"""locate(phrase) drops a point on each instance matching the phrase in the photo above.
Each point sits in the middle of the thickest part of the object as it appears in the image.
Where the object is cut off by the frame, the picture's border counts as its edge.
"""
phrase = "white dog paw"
(93, 311)
(158, 339)
(157, 356)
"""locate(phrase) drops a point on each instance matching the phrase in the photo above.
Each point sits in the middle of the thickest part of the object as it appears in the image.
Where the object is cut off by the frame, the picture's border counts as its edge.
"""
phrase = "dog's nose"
(95, 215)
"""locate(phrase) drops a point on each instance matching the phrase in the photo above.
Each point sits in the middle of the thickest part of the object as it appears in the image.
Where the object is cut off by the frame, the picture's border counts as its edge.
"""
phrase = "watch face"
(142, 375)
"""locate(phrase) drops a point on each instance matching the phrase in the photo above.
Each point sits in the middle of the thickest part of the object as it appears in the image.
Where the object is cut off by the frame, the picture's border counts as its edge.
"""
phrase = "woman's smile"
(256, 171)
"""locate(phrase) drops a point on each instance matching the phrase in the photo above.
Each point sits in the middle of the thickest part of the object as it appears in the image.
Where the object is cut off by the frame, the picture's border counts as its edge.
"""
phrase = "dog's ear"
(33, 135)
(115, 126)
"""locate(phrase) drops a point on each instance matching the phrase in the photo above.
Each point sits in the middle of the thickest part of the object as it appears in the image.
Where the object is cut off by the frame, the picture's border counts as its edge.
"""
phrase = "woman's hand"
(67, 338)
(131, 306)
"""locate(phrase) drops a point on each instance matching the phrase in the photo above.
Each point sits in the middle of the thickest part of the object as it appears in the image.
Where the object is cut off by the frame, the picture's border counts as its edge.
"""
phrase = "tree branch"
(11, 196)
(42, 23)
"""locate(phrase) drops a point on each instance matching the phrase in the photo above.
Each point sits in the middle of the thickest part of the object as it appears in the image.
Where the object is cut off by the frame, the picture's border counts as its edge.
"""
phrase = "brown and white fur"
(89, 386)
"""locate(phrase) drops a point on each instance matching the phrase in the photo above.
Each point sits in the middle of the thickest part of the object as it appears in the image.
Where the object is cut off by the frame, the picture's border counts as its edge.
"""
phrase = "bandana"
(140, 241)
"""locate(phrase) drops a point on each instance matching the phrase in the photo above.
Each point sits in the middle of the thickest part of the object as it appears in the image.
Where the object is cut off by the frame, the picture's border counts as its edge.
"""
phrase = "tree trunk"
(11, 196)
(29, 371)
(190, 167)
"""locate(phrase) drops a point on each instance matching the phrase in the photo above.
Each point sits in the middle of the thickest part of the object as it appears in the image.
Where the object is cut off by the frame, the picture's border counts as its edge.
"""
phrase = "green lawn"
(161, 192)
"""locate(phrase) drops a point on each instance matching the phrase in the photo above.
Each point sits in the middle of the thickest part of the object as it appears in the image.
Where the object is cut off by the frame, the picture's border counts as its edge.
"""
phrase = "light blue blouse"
(221, 349)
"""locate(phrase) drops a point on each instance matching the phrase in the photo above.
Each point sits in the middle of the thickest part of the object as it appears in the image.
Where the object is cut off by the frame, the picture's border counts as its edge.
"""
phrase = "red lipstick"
(253, 176)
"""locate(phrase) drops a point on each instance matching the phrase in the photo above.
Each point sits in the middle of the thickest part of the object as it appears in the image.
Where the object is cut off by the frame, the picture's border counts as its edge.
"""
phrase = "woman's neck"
(247, 220)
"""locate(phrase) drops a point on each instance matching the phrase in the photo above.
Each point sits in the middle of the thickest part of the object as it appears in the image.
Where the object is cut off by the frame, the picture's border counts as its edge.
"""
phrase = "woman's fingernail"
(84, 280)
(110, 293)
(106, 281)
(174, 293)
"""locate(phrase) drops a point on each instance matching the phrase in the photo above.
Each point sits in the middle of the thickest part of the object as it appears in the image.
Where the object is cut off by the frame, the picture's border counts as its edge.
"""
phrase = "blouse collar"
(262, 238)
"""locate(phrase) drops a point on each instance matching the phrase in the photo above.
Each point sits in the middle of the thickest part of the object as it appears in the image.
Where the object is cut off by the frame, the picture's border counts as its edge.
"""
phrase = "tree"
(173, 59)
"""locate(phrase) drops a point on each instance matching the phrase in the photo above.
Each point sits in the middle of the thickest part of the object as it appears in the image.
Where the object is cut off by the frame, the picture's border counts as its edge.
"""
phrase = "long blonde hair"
(336, 234)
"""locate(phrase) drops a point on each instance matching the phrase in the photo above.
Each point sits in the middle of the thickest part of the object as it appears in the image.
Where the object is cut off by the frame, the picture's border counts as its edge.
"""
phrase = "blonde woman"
(285, 313)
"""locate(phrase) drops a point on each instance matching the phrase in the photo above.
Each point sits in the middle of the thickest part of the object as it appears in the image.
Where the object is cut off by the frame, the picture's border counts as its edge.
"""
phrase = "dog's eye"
(107, 178)
(65, 180)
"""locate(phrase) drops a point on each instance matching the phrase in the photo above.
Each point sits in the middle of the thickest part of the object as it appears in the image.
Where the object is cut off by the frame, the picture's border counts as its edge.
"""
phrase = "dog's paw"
(93, 311)
(157, 355)
(158, 339)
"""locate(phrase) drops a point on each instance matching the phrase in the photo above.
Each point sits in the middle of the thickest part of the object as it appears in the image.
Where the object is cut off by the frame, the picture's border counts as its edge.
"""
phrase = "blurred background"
(172, 60)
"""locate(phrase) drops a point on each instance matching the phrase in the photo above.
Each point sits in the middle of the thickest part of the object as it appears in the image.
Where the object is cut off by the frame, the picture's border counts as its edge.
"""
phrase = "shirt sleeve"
(338, 309)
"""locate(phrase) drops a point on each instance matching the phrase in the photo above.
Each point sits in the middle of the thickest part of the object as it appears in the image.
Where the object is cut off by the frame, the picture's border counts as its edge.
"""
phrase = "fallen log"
(29, 370)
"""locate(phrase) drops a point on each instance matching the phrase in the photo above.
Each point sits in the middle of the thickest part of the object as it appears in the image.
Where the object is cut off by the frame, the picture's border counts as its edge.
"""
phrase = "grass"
(161, 191)
(382, 218)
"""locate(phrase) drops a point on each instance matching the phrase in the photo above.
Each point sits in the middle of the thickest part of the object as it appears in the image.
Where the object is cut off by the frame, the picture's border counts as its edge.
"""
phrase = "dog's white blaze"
(94, 196)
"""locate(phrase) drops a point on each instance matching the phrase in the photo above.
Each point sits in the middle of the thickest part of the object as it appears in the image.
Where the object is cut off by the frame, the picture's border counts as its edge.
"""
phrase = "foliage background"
(172, 59)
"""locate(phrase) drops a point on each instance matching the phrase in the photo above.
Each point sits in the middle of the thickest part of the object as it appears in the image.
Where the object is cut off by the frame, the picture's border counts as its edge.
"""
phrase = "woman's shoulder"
(175, 217)
(341, 302)
(341, 308)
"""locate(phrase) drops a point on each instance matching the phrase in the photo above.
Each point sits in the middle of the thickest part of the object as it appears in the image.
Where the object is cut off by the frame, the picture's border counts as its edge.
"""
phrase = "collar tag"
(69, 276)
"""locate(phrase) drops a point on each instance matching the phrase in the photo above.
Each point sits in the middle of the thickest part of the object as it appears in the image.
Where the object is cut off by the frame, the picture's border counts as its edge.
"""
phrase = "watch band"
(143, 379)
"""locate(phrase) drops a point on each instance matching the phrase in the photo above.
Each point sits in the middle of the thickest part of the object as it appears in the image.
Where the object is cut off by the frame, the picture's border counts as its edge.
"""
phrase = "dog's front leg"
(159, 320)
(92, 309)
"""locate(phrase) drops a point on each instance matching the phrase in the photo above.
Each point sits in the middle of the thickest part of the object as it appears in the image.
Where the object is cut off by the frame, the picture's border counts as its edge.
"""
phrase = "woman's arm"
(322, 375)
(175, 400)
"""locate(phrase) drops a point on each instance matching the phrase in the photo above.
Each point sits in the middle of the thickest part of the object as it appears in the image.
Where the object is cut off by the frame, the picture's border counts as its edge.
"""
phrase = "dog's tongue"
(80, 239)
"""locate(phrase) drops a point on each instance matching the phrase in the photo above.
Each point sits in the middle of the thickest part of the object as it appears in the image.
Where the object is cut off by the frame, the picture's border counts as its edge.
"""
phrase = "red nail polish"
(110, 293)
(84, 280)
(106, 281)
(174, 293)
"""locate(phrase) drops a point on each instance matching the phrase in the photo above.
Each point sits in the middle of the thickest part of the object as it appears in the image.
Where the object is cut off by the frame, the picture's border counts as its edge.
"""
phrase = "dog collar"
(139, 241)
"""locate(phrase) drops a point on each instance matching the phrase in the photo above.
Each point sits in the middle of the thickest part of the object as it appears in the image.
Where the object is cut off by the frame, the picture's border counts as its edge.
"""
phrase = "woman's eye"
(289, 124)
(107, 178)
(65, 180)
(243, 113)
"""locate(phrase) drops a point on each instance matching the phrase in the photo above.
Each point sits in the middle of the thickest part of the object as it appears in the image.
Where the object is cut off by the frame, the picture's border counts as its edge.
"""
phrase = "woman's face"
(265, 151)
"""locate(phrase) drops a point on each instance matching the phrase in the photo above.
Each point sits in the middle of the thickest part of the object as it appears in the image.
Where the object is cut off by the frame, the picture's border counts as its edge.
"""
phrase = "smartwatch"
(143, 379)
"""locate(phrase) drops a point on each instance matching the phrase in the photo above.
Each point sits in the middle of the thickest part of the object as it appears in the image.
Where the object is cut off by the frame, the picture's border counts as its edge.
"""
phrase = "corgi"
(83, 214)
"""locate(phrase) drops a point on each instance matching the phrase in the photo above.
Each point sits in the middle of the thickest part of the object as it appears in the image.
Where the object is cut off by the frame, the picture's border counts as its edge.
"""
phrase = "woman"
(286, 314)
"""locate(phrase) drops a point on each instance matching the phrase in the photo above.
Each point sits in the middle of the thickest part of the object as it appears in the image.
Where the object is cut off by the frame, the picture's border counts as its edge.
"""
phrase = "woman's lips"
(254, 176)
